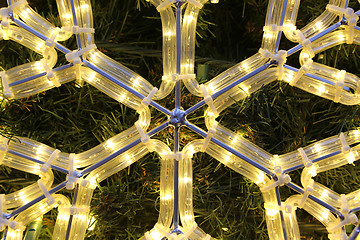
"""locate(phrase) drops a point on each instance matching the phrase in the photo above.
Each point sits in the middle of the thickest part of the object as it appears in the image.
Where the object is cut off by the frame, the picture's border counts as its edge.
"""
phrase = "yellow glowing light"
(211, 88)
(324, 216)
(39, 66)
(268, 35)
(167, 197)
(211, 114)
(109, 145)
(67, 16)
(84, 7)
(189, 18)
(186, 179)
(92, 77)
(122, 97)
(191, 150)
(188, 66)
(155, 234)
(22, 197)
(63, 217)
(245, 89)
(93, 181)
(351, 157)
(26, 13)
(82, 217)
(261, 178)
(234, 140)
(136, 82)
(318, 25)
(305, 56)
(312, 171)
(244, 67)
(289, 76)
(341, 37)
(322, 88)
(324, 194)
(271, 212)
(188, 217)
(40, 46)
(169, 34)
(317, 148)
(40, 150)
(128, 158)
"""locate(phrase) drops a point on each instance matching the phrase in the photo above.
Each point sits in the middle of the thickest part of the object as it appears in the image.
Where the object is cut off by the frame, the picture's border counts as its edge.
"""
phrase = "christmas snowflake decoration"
(336, 25)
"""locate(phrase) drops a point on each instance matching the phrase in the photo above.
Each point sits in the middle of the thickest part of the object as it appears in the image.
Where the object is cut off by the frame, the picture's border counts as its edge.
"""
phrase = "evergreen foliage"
(279, 118)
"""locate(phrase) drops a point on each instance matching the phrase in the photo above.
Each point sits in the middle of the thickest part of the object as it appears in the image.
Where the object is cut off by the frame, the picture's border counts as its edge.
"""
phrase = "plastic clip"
(303, 70)
(5, 25)
(159, 230)
(210, 134)
(307, 162)
(178, 156)
(45, 167)
(282, 207)
(352, 20)
(349, 218)
(50, 74)
(344, 206)
(75, 210)
(265, 53)
(51, 41)
(208, 100)
(163, 231)
(72, 178)
(4, 221)
(196, 3)
(74, 56)
(144, 137)
(306, 43)
(6, 89)
(165, 4)
(280, 58)
(4, 14)
(188, 233)
(282, 178)
(350, 16)
(77, 30)
(339, 10)
(49, 199)
(307, 192)
(147, 100)
(344, 146)
(339, 85)
(271, 28)
(178, 77)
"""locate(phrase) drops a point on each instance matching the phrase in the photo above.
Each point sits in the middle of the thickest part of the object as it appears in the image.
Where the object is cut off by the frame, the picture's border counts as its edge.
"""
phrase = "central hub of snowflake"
(177, 117)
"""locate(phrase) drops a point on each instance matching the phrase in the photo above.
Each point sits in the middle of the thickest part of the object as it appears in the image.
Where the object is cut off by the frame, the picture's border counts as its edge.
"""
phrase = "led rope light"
(269, 172)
